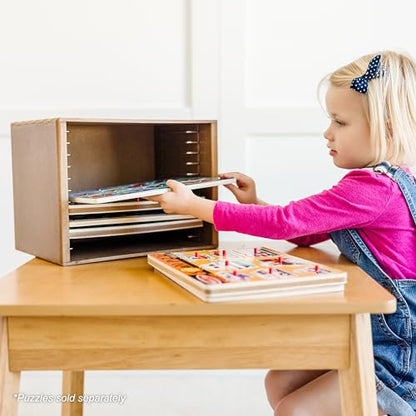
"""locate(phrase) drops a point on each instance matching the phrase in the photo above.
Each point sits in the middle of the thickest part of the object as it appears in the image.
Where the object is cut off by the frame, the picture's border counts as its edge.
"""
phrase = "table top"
(130, 287)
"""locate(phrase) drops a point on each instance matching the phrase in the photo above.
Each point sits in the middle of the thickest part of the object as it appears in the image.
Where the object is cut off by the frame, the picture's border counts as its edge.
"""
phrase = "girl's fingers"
(174, 185)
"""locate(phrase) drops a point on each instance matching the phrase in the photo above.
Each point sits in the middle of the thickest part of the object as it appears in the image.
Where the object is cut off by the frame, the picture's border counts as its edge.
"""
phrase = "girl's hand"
(177, 201)
(181, 200)
(245, 191)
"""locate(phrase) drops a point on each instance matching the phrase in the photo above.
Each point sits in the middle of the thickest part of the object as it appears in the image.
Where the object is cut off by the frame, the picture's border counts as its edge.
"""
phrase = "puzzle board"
(253, 265)
(216, 275)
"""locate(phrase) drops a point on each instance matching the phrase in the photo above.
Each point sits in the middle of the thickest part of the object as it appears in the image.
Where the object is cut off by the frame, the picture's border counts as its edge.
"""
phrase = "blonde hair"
(390, 104)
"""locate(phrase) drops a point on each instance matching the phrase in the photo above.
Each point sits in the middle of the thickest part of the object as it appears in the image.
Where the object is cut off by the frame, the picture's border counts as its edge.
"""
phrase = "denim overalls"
(394, 335)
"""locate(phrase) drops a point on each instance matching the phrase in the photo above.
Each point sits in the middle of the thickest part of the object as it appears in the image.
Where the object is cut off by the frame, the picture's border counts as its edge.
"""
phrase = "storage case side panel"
(209, 157)
(36, 189)
(63, 178)
(214, 150)
(209, 167)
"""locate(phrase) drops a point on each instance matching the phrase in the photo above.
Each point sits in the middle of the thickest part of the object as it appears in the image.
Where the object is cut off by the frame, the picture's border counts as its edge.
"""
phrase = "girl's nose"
(327, 134)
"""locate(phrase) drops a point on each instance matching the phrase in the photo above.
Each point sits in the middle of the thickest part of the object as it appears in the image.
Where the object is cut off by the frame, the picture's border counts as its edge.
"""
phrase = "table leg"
(72, 384)
(357, 383)
(9, 382)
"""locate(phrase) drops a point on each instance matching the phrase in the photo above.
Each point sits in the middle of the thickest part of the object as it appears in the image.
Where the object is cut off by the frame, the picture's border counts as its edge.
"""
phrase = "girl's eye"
(339, 122)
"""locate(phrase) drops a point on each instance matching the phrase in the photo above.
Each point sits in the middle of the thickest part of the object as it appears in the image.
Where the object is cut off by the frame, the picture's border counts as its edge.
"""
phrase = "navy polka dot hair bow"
(360, 84)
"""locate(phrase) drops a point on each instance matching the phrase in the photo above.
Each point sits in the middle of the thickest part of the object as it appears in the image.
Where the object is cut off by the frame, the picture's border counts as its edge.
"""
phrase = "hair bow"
(360, 84)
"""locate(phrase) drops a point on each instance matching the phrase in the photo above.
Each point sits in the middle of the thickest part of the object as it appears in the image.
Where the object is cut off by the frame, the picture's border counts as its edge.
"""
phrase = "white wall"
(253, 65)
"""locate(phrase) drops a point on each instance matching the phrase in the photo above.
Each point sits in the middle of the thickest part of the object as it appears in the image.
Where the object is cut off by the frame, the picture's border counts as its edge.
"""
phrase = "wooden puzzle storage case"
(56, 156)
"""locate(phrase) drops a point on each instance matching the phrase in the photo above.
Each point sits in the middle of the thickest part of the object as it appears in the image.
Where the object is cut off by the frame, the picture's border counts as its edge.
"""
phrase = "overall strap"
(360, 243)
(405, 181)
(370, 265)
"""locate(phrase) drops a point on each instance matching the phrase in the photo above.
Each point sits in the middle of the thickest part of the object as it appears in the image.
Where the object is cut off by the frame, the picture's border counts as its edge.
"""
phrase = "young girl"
(370, 215)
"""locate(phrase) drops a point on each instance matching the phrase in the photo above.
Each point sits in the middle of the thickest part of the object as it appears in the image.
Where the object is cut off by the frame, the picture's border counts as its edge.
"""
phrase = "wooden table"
(122, 315)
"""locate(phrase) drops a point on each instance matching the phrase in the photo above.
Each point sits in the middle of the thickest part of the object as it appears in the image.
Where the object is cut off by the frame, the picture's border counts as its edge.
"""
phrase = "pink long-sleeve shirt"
(369, 202)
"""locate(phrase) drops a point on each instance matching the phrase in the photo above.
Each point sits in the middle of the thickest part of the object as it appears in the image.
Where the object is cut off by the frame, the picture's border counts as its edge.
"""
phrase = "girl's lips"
(332, 152)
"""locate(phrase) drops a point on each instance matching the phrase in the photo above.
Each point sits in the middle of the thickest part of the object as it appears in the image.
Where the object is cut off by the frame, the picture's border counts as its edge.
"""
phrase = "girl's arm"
(181, 200)
(355, 202)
